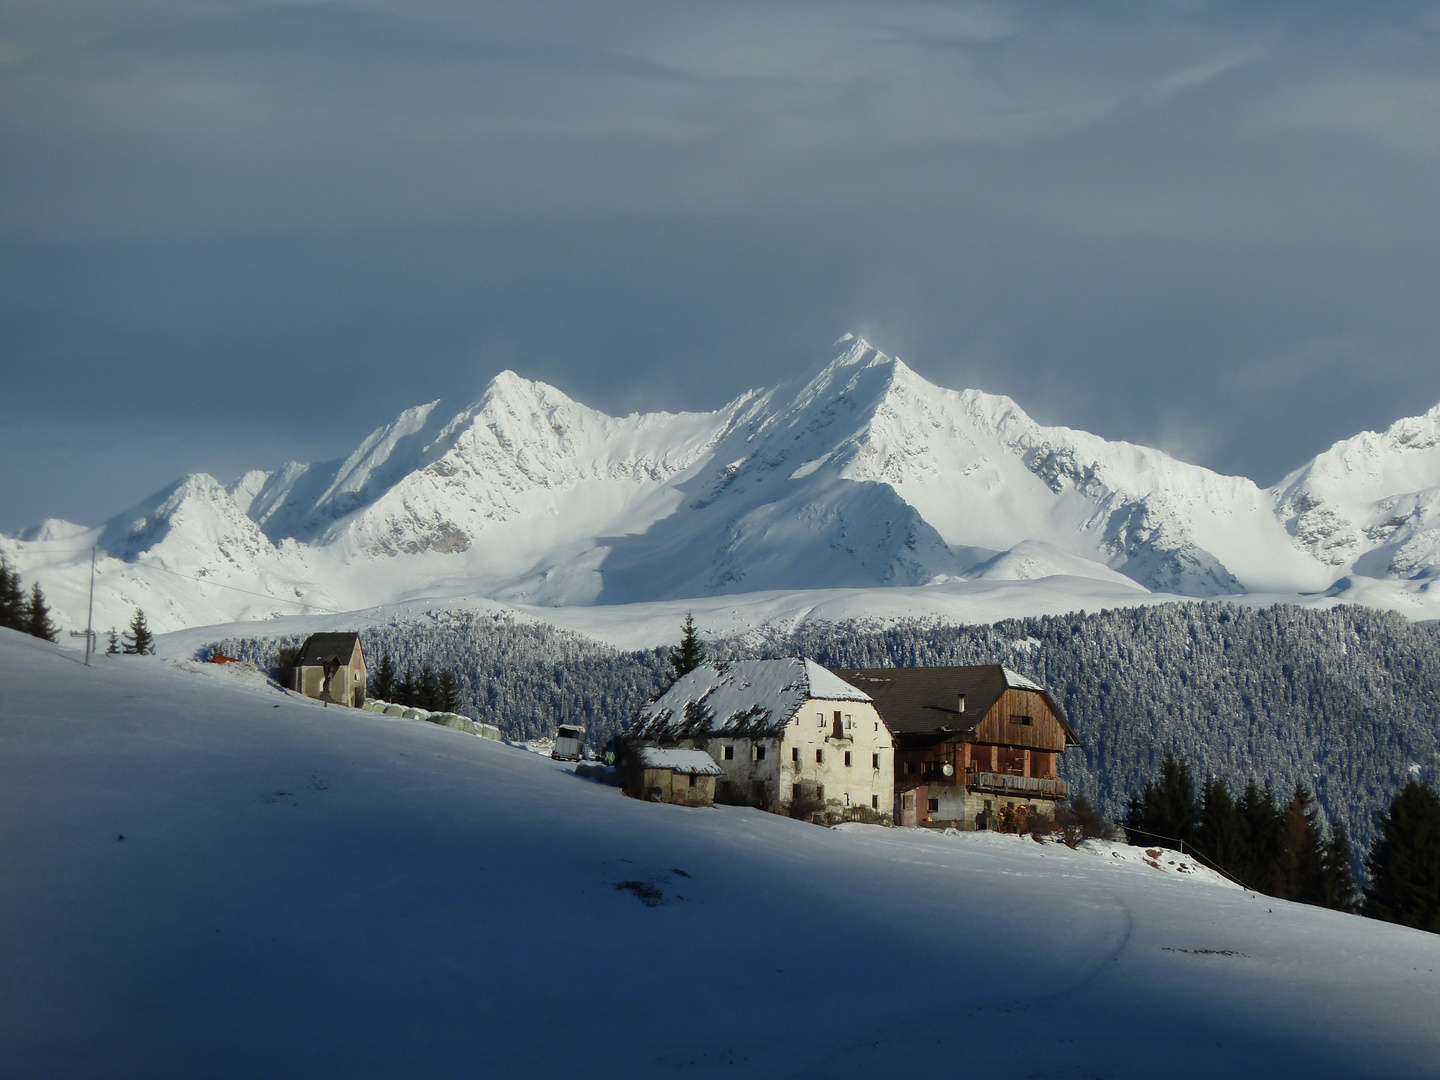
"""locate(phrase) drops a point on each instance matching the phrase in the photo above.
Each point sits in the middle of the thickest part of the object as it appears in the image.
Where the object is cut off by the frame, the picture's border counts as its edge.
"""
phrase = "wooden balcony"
(1004, 784)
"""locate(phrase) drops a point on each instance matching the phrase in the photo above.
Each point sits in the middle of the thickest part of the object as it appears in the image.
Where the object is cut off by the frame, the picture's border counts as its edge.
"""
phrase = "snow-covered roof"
(1016, 681)
(687, 762)
(740, 697)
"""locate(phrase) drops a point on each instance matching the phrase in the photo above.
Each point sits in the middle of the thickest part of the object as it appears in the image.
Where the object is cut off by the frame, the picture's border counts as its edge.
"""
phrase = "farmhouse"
(976, 747)
(788, 736)
(331, 667)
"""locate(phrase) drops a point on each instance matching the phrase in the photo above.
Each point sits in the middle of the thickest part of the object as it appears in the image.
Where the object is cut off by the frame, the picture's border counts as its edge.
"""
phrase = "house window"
(819, 791)
(730, 753)
(847, 759)
(909, 767)
(795, 754)
(877, 725)
(819, 719)
(847, 798)
(874, 802)
(819, 757)
(1025, 721)
(907, 802)
(933, 806)
(874, 761)
(759, 752)
(692, 779)
(847, 720)
(796, 791)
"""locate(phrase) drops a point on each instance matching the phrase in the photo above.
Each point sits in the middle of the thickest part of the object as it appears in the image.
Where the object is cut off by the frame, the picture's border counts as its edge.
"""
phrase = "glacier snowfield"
(208, 877)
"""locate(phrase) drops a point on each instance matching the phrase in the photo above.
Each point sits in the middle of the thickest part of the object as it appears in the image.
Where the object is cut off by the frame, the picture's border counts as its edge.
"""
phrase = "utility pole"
(90, 615)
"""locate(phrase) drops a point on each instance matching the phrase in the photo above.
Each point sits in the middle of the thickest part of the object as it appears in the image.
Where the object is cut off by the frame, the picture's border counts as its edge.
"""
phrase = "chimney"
(960, 708)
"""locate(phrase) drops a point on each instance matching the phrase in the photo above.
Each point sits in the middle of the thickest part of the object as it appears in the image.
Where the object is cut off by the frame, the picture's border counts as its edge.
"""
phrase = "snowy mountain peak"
(859, 473)
(186, 524)
(1371, 502)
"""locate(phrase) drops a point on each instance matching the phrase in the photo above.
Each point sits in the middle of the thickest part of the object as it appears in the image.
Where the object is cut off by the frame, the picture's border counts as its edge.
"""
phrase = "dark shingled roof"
(319, 648)
(924, 700)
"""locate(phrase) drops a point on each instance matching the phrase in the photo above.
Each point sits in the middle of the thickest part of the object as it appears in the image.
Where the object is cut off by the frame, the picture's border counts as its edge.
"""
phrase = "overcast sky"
(237, 232)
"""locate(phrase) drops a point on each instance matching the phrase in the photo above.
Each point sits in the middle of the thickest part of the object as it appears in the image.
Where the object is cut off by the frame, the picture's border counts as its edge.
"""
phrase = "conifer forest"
(1342, 702)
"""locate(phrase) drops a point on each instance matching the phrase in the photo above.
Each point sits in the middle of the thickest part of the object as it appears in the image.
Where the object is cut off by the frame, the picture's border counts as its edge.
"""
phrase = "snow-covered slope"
(858, 475)
(208, 877)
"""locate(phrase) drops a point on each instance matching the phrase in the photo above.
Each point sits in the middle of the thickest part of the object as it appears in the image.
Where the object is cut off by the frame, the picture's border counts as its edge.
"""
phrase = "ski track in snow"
(304, 891)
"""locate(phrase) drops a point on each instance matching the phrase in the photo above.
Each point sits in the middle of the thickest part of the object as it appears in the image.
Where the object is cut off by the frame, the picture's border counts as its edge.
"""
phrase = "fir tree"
(1165, 810)
(138, 639)
(690, 654)
(1220, 839)
(405, 690)
(426, 692)
(1337, 875)
(1296, 873)
(385, 678)
(1404, 861)
(448, 692)
(37, 615)
(112, 645)
(12, 599)
(1262, 836)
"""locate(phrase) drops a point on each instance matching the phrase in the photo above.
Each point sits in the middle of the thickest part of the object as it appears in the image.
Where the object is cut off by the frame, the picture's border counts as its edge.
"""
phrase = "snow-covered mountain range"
(859, 475)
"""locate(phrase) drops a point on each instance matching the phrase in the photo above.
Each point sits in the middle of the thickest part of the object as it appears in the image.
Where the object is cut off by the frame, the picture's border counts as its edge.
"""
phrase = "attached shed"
(331, 667)
(684, 777)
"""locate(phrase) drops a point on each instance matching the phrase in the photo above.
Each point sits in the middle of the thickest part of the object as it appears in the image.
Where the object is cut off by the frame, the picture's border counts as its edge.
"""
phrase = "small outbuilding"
(331, 668)
(684, 777)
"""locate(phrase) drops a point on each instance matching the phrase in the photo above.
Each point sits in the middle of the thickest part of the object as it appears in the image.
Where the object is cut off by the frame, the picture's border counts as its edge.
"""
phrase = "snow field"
(320, 891)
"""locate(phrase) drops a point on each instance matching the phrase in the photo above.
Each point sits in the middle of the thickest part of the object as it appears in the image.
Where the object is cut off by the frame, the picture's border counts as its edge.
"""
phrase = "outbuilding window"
(730, 752)
(759, 751)
(934, 806)
(692, 779)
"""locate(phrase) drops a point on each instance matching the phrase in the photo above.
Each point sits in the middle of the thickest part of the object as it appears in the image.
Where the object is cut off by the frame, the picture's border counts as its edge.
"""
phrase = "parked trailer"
(569, 743)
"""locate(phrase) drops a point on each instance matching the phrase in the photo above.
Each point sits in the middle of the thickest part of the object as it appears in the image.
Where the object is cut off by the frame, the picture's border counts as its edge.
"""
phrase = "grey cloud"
(1189, 224)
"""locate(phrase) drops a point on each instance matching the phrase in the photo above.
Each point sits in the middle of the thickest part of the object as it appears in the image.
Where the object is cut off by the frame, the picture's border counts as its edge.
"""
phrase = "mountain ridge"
(858, 473)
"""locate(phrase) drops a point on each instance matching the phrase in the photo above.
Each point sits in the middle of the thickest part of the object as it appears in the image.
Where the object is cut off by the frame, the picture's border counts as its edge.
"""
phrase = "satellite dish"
(948, 769)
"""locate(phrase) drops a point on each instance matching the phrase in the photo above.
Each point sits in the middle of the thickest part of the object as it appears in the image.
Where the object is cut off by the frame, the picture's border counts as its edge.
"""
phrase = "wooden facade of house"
(331, 668)
(976, 747)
